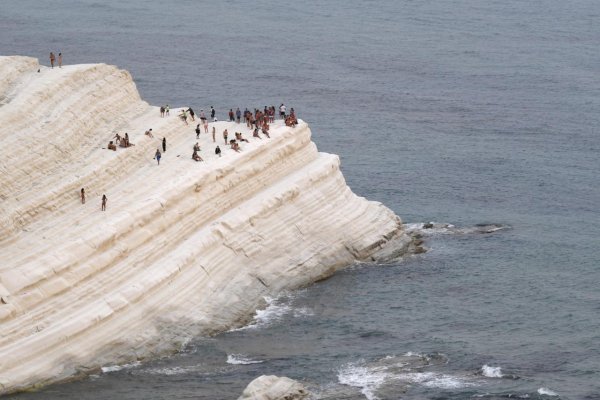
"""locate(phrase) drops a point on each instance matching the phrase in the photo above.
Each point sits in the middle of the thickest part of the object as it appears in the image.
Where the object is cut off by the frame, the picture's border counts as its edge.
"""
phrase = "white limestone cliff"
(184, 249)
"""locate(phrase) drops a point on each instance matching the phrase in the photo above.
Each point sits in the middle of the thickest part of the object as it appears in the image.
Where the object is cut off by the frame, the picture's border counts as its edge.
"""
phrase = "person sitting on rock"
(255, 133)
(196, 147)
(111, 146)
(241, 138)
(149, 133)
(218, 151)
(196, 156)
(234, 145)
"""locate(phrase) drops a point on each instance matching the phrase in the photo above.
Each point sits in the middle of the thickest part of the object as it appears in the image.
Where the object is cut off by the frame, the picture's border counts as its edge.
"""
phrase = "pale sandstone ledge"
(184, 248)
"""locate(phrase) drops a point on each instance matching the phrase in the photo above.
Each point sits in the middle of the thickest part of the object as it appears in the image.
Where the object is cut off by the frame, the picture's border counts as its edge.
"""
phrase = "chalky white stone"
(184, 249)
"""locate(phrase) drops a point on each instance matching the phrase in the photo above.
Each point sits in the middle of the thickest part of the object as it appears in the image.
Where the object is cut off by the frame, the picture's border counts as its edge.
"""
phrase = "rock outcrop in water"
(271, 387)
(185, 248)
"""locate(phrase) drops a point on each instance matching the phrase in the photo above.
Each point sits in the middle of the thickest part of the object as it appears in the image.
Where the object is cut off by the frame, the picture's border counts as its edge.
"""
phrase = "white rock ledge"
(184, 248)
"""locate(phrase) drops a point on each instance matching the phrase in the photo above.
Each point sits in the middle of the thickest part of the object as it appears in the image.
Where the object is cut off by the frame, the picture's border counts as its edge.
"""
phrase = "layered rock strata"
(185, 248)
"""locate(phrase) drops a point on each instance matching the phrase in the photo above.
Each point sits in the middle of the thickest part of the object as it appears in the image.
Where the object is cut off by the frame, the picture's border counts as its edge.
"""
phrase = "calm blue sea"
(460, 111)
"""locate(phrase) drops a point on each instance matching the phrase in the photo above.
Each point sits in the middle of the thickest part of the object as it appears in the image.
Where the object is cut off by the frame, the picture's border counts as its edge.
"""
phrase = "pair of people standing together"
(53, 59)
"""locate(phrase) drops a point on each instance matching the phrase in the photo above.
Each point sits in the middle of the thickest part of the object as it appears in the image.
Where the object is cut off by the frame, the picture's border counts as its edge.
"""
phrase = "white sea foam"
(431, 379)
(276, 310)
(367, 379)
(491, 372)
(169, 371)
(240, 359)
(547, 392)
(412, 354)
(115, 368)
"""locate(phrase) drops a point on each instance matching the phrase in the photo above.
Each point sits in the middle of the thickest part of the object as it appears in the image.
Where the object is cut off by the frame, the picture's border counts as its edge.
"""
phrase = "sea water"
(464, 112)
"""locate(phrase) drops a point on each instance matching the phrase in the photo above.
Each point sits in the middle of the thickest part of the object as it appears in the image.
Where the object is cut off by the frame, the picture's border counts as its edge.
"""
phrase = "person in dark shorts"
(192, 115)
(104, 200)
(157, 156)
(218, 151)
(231, 115)
(282, 111)
(212, 113)
(197, 131)
(238, 115)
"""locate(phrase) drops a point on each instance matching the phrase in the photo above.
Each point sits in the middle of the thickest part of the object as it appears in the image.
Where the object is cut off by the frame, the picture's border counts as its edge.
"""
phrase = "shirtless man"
(149, 133)
(52, 58)
(225, 134)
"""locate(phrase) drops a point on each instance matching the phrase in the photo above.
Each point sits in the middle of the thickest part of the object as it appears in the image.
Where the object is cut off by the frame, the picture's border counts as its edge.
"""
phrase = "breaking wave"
(491, 372)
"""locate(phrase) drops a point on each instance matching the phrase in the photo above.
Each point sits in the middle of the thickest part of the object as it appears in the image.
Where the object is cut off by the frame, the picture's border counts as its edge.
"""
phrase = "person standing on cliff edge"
(104, 200)
(59, 60)
(52, 58)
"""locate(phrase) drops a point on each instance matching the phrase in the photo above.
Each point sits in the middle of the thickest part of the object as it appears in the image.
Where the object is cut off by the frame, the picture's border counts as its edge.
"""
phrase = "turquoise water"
(463, 112)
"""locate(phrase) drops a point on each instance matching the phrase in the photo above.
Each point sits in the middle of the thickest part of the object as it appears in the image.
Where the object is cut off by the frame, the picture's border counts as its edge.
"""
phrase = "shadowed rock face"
(185, 248)
(274, 388)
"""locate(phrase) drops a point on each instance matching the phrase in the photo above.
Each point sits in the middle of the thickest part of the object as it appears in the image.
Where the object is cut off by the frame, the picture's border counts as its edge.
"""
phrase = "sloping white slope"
(184, 248)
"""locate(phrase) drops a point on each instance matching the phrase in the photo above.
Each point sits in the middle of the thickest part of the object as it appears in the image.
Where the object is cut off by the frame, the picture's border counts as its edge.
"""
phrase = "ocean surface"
(462, 111)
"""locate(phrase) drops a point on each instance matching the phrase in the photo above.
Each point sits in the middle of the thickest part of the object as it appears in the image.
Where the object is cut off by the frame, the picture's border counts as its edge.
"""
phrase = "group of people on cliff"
(257, 121)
